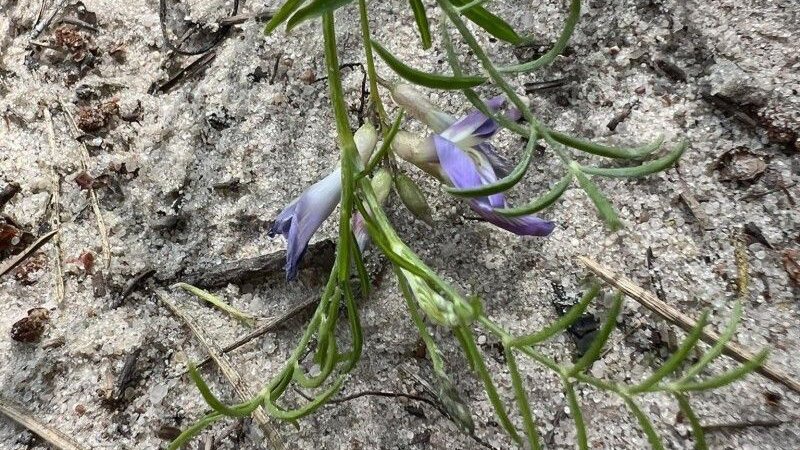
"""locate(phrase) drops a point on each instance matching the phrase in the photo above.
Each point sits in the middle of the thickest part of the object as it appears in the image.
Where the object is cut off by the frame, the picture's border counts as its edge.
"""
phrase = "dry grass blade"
(55, 200)
(54, 437)
(242, 389)
(101, 224)
(667, 312)
(22, 256)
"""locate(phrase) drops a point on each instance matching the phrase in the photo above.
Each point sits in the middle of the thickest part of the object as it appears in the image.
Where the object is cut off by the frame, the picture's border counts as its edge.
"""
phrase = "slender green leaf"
(644, 422)
(506, 182)
(718, 346)
(560, 45)
(294, 414)
(602, 336)
(493, 25)
(605, 150)
(562, 323)
(363, 276)
(356, 333)
(378, 156)
(241, 410)
(604, 207)
(540, 203)
(672, 363)
(724, 378)
(522, 400)
(282, 14)
(426, 79)
(315, 9)
(467, 341)
(697, 429)
(189, 433)
(244, 317)
(650, 167)
(422, 22)
(577, 416)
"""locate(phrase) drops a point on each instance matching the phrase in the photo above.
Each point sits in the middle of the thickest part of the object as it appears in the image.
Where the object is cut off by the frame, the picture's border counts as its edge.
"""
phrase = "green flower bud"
(413, 198)
(382, 184)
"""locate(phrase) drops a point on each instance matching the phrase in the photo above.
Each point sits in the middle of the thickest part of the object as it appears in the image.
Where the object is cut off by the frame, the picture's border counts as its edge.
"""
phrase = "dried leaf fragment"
(30, 329)
(791, 262)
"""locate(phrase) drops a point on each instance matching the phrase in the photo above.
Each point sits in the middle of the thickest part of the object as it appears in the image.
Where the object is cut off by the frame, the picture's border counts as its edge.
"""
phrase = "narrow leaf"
(506, 182)
(358, 258)
(562, 323)
(602, 336)
(650, 167)
(605, 150)
(426, 79)
(233, 411)
(522, 400)
(315, 9)
(422, 22)
(282, 14)
(385, 146)
(493, 25)
(697, 429)
(577, 416)
(673, 361)
(644, 422)
(725, 378)
(540, 203)
(604, 207)
(560, 45)
(467, 341)
(189, 433)
(718, 347)
(244, 317)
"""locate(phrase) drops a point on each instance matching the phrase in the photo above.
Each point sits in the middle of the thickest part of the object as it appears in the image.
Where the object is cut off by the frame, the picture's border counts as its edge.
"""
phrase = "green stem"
(371, 73)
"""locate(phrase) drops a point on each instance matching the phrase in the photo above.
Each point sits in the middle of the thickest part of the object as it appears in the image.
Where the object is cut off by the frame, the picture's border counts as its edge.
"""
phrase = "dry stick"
(667, 312)
(55, 200)
(101, 224)
(42, 25)
(269, 326)
(25, 254)
(54, 437)
(241, 388)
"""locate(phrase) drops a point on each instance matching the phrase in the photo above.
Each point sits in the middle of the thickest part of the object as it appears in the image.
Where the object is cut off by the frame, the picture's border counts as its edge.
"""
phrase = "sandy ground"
(191, 177)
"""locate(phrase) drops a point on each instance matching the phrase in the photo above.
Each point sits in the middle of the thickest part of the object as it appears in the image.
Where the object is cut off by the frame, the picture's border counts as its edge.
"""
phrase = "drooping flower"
(301, 218)
(459, 153)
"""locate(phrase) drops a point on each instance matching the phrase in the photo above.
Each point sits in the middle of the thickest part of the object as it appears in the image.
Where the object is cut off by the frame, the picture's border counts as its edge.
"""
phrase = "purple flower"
(462, 156)
(301, 218)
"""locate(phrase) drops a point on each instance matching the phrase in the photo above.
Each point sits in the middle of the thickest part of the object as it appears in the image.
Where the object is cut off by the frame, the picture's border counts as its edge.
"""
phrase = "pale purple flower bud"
(304, 215)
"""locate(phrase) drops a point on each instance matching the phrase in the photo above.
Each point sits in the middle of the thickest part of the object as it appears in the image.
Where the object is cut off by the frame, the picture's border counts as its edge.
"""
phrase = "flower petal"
(501, 165)
(457, 165)
(475, 127)
(529, 225)
(308, 213)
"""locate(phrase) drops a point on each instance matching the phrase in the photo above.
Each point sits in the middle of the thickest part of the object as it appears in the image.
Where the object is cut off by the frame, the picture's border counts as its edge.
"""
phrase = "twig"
(241, 388)
(25, 254)
(54, 437)
(764, 423)
(246, 318)
(191, 69)
(241, 18)
(55, 200)
(101, 224)
(79, 23)
(269, 326)
(132, 285)
(42, 25)
(667, 312)
(320, 254)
